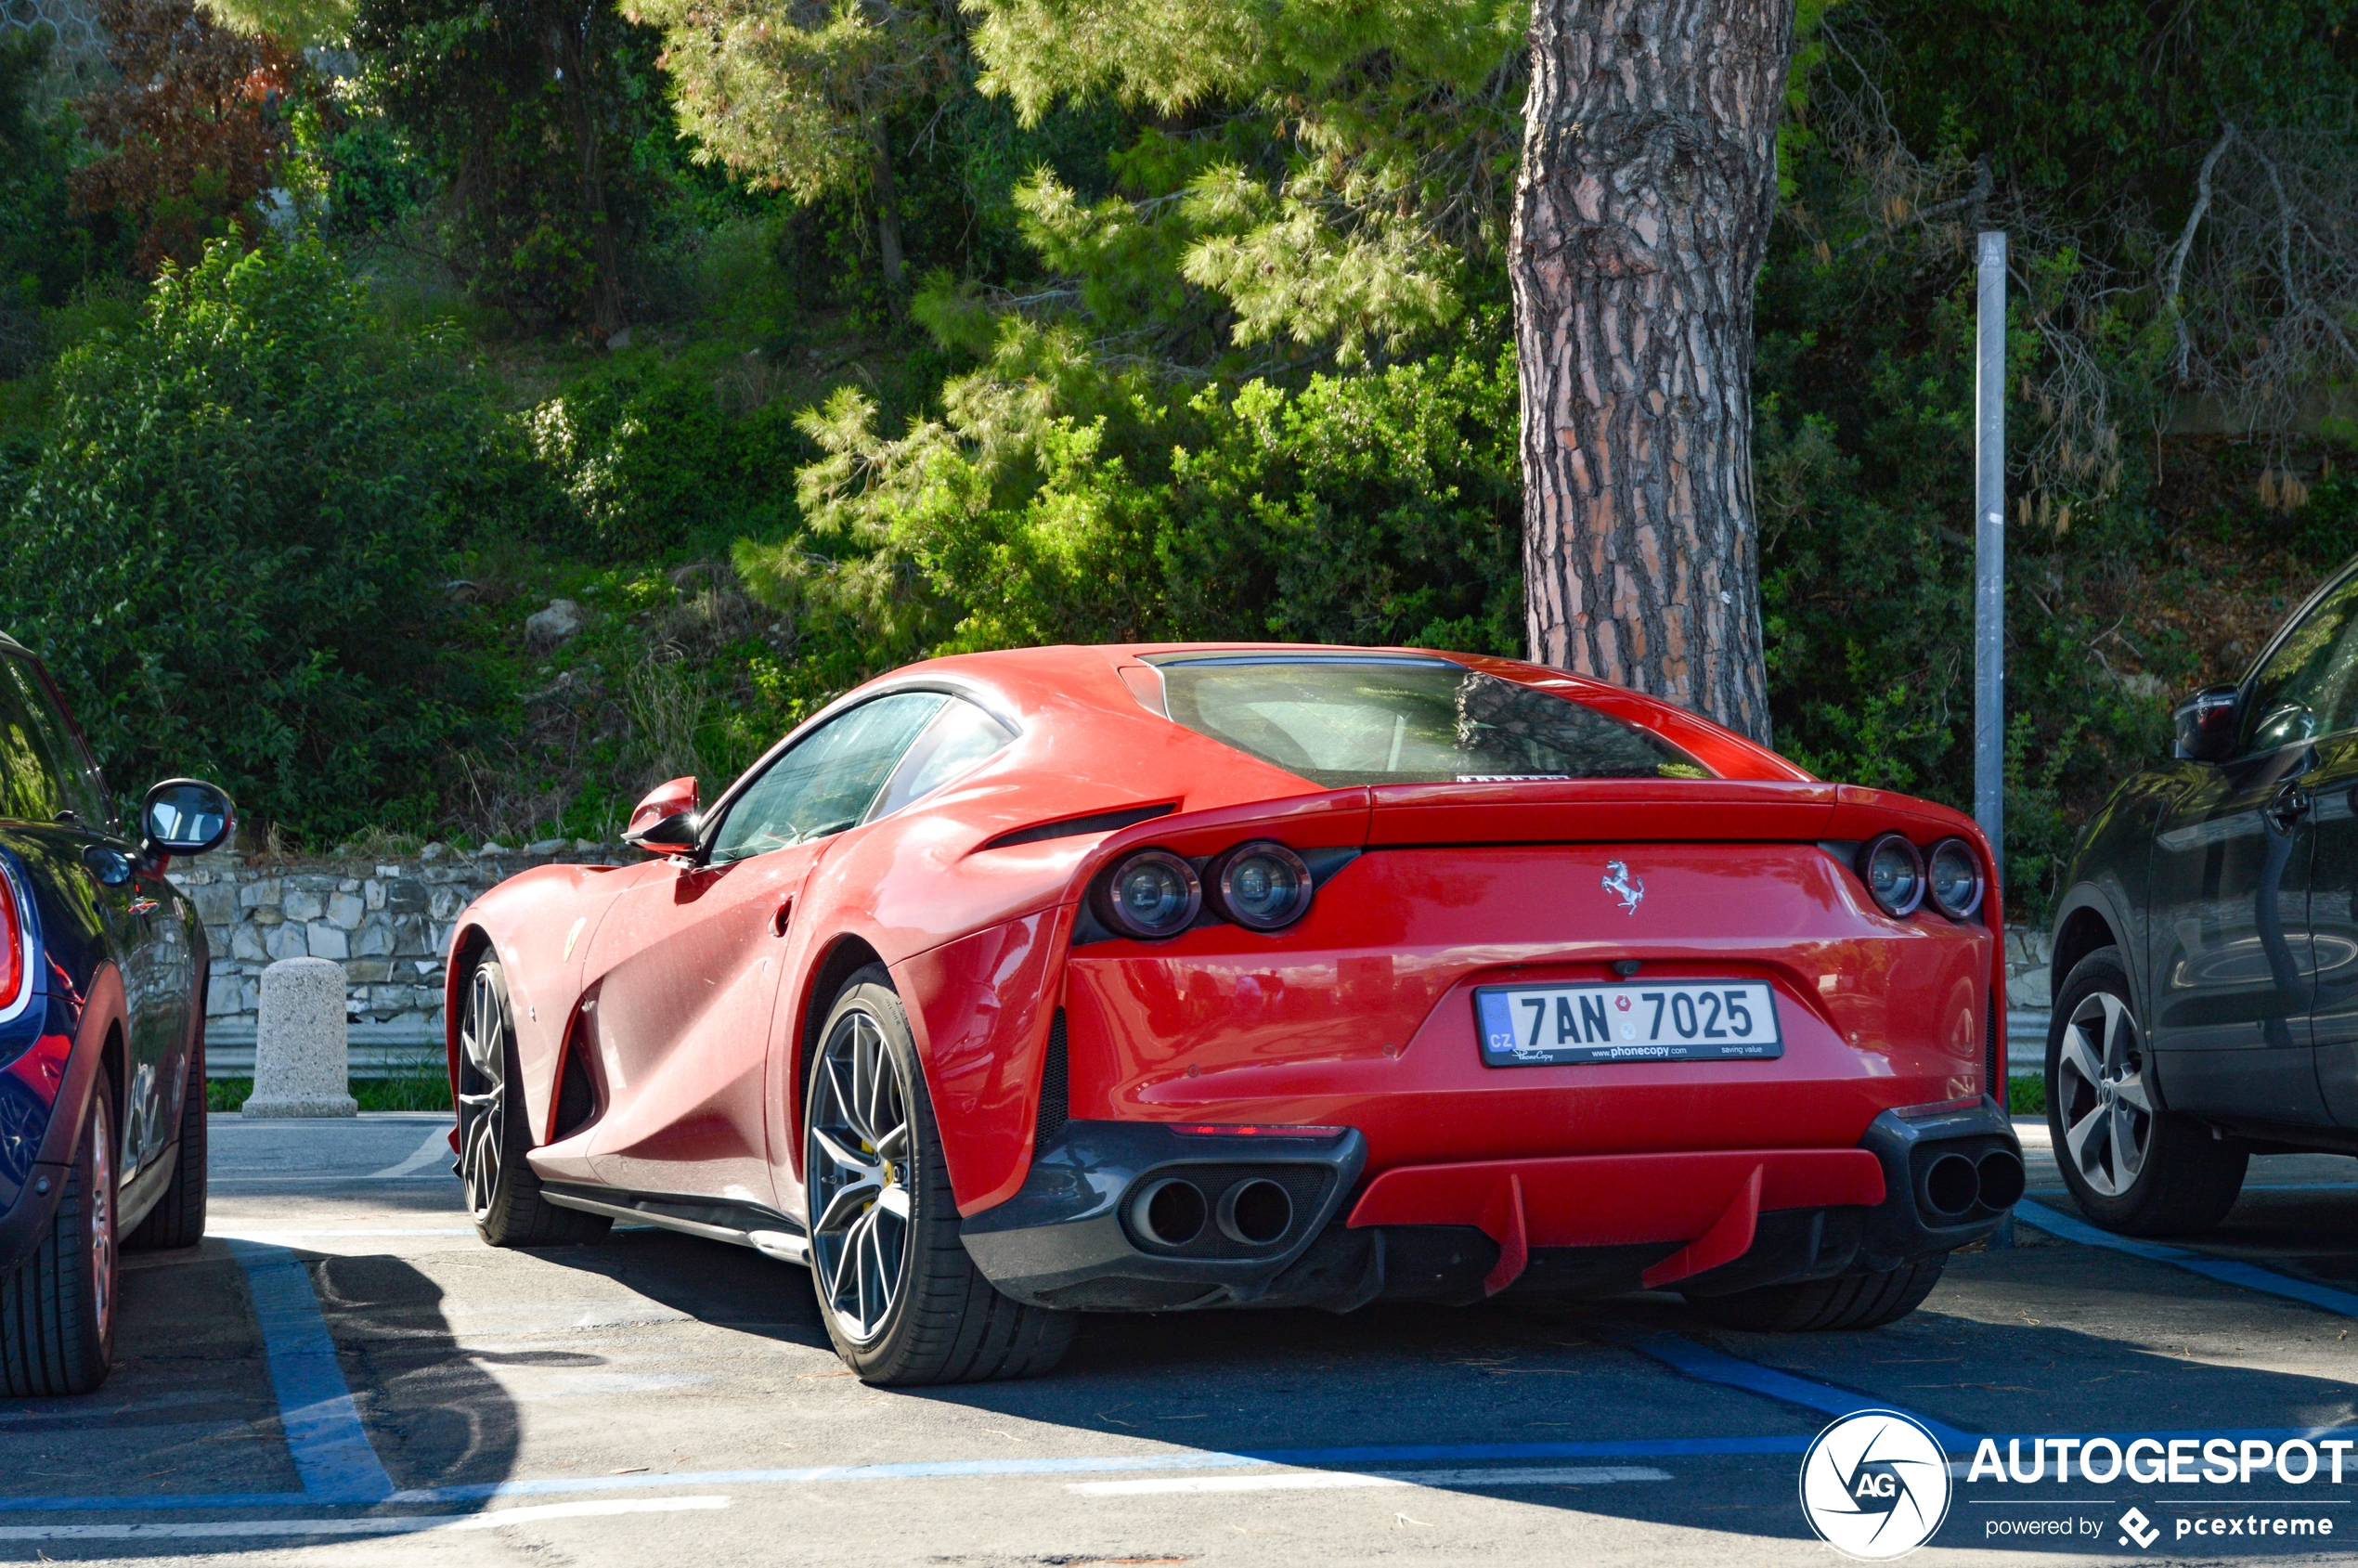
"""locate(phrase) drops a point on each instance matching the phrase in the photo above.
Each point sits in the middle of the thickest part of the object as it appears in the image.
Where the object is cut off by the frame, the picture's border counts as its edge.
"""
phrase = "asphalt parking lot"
(342, 1373)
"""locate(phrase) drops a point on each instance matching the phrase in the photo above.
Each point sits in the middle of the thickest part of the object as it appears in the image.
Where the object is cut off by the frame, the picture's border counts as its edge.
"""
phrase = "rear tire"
(1867, 1300)
(2137, 1168)
(178, 1220)
(58, 1308)
(502, 1190)
(902, 1301)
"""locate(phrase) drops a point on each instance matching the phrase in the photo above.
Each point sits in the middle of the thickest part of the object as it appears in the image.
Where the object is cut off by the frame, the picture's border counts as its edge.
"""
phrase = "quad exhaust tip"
(1168, 1213)
(1954, 1183)
(1172, 1211)
(2001, 1179)
(1255, 1213)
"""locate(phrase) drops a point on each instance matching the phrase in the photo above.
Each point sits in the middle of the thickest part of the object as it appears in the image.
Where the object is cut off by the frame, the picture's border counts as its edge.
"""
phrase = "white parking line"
(1300, 1480)
(377, 1524)
(437, 1146)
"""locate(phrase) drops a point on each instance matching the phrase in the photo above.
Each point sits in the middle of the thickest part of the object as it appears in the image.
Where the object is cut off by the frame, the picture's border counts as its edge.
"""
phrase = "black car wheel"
(178, 1220)
(57, 1310)
(1867, 1300)
(901, 1299)
(502, 1191)
(2131, 1165)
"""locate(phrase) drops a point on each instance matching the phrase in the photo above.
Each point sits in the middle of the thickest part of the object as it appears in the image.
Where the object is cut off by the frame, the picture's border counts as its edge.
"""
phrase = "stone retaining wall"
(387, 921)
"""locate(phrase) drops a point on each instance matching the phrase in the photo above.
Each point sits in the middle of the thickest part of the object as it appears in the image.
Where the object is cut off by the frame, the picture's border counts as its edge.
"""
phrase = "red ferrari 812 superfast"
(1023, 984)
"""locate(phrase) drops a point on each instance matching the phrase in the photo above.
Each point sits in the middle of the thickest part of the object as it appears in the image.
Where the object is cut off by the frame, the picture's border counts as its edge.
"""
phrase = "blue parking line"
(1713, 1366)
(330, 1450)
(2250, 1276)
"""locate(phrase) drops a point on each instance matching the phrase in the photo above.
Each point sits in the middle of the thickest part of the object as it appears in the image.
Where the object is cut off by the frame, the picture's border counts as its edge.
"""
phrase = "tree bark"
(1641, 215)
(887, 192)
(607, 316)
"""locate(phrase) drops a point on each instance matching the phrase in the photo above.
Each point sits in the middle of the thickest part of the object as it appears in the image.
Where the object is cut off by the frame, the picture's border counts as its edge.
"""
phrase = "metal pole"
(1990, 576)
(1989, 548)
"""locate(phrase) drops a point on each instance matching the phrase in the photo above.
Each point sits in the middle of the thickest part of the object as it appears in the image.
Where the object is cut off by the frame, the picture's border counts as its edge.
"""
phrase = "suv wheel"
(2131, 1165)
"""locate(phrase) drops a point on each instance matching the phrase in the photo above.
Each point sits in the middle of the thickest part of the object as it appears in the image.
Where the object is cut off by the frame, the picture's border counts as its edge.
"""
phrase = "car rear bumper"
(1081, 1233)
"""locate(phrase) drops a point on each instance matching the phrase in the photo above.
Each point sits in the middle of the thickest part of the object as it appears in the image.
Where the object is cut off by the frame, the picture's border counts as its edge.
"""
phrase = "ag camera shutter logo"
(1876, 1485)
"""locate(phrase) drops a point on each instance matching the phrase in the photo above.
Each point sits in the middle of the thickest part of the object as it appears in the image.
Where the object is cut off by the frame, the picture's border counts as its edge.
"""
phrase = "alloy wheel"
(102, 1215)
(2100, 1084)
(483, 1094)
(859, 1159)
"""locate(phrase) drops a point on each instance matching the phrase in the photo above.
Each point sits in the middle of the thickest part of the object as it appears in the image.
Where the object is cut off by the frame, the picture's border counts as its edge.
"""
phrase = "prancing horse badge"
(1617, 882)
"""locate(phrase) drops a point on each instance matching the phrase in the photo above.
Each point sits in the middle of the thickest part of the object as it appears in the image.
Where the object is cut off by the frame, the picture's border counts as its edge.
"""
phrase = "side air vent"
(1055, 1094)
(577, 1098)
(1073, 828)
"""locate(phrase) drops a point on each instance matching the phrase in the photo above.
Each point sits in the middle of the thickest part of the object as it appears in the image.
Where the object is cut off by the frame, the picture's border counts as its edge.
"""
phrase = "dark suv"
(2207, 944)
(102, 984)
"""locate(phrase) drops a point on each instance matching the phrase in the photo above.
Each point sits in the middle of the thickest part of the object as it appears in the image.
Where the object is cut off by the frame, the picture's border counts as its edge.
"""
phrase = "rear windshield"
(1342, 720)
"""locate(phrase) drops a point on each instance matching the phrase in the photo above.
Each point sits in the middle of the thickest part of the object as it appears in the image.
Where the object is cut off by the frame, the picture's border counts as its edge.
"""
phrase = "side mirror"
(666, 820)
(184, 817)
(2207, 723)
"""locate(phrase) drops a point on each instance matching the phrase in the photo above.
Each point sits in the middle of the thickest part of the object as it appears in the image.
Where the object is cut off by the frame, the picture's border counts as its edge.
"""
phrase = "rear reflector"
(1207, 1130)
(1944, 1108)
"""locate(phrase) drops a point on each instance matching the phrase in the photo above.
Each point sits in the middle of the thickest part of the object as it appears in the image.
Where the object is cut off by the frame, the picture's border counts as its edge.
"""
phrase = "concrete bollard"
(300, 1063)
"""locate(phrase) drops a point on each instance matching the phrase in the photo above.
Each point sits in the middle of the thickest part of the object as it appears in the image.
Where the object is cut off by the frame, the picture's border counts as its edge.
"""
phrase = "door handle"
(2285, 810)
(780, 921)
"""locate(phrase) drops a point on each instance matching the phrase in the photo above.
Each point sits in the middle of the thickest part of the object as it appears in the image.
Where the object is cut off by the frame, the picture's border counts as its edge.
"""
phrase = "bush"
(1061, 500)
(240, 524)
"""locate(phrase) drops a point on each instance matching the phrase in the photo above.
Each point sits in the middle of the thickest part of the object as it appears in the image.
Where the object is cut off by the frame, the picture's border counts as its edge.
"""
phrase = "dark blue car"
(102, 985)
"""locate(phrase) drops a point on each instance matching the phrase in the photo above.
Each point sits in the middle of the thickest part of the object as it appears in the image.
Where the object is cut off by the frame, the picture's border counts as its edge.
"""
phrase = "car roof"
(1038, 679)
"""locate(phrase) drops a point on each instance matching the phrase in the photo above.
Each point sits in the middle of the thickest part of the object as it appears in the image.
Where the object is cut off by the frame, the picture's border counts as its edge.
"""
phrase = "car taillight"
(1150, 894)
(14, 976)
(1261, 885)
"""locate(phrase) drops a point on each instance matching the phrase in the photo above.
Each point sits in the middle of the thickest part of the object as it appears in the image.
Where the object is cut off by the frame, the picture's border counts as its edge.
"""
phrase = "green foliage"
(795, 96)
(1057, 499)
(1348, 164)
(537, 119)
(656, 467)
(241, 520)
(44, 251)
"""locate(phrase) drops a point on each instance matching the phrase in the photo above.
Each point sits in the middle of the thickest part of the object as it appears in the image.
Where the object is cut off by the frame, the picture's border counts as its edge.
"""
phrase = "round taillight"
(1152, 893)
(1893, 874)
(1952, 877)
(1261, 885)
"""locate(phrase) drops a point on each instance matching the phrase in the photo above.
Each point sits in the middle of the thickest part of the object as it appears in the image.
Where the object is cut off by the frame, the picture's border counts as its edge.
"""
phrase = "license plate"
(1668, 1020)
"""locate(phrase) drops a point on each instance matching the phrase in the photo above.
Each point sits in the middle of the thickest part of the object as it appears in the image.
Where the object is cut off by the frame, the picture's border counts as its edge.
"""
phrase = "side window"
(47, 774)
(2309, 686)
(960, 738)
(828, 781)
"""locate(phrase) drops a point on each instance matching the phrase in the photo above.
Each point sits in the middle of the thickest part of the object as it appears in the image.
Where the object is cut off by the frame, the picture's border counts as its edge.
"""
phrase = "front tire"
(56, 1309)
(902, 1301)
(1867, 1300)
(502, 1190)
(2132, 1166)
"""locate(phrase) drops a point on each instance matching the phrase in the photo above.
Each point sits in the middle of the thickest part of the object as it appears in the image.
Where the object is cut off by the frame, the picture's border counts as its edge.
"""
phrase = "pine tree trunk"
(607, 318)
(886, 194)
(1641, 215)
